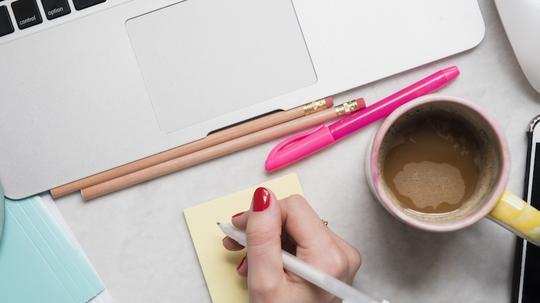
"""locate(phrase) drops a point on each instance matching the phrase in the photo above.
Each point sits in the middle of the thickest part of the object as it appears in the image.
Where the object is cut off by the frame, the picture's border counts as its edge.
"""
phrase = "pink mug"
(490, 198)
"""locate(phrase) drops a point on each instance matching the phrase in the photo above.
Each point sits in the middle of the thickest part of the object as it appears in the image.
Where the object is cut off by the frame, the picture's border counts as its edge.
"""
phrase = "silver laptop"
(87, 85)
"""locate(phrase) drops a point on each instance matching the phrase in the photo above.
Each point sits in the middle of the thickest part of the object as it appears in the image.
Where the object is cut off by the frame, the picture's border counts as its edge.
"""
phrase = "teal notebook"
(39, 262)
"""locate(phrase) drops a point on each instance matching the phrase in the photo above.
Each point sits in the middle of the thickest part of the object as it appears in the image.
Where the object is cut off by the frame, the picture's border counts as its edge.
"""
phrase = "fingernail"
(261, 199)
(238, 214)
(241, 262)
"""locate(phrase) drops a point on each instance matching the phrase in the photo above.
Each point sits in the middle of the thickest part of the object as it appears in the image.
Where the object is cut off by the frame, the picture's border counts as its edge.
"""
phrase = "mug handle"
(517, 216)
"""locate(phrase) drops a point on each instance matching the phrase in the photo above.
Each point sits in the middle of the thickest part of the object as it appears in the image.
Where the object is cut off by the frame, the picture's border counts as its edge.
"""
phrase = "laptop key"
(55, 8)
(26, 13)
(82, 4)
(6, 27)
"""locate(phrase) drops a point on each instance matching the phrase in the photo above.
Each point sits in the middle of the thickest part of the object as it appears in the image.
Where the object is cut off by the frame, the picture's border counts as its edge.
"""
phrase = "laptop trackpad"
(204, 58)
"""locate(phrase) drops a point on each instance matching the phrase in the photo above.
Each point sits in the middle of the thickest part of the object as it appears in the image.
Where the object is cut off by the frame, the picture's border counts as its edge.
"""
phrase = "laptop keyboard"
(25, 14)
(55, 8)
(82, 4)
(6, 27)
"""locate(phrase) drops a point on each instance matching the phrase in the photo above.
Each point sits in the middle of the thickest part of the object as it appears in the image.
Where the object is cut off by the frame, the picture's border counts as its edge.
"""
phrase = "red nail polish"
(238, 214)
(261, 199)
(241, 262)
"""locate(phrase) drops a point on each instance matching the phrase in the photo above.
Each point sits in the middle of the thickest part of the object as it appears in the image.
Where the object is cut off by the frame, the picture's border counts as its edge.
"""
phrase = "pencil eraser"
(361, 103)
(329, 102)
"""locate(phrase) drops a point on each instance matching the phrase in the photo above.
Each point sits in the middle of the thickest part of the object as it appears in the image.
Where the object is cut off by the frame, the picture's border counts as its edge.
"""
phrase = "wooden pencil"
(219, 150)
(210, 140)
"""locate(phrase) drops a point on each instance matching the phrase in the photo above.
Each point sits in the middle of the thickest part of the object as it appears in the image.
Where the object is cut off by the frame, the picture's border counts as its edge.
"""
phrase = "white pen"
(307, 272)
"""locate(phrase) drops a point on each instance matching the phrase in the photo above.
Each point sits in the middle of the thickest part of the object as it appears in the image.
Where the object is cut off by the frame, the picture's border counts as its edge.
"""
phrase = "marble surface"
(138, 241)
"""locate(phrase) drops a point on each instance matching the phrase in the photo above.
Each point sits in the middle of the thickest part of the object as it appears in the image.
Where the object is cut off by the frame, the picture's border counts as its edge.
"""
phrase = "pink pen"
(303, 145)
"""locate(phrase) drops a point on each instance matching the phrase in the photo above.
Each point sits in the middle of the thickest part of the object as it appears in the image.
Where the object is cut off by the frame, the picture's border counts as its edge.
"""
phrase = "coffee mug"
(489, 198)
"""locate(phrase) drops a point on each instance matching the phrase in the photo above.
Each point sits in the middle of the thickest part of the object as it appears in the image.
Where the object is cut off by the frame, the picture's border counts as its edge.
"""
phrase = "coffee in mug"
(432, 164)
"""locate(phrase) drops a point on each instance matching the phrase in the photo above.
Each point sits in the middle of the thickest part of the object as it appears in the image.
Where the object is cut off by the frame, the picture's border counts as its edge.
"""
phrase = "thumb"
(263, 232)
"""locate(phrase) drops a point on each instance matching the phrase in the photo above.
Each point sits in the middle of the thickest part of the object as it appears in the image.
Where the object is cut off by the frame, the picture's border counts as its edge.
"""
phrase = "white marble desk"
(139, 244)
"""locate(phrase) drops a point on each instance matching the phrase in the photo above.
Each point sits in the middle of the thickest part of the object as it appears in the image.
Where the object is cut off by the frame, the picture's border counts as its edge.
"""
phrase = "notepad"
(39, 262)
(218, 264)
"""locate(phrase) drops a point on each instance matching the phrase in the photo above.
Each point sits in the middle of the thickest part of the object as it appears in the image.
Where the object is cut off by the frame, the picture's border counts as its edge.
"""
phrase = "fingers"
(312, 240)
(354, 259)
(304, 225)
(232, 245)
(316, 243)
(263, 234)
(242, 267)
(240, 220)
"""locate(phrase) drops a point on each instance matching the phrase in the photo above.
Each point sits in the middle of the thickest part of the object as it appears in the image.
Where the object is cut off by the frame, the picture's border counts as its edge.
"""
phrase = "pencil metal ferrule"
(347, 108)
(315, 106)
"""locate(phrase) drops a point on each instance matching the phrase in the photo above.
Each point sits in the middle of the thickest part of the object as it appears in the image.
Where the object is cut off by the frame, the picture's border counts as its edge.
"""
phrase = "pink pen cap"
(309, 142)
(298, 146)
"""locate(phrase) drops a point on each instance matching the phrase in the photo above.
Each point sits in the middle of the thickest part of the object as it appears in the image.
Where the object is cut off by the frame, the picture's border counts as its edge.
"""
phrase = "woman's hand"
(293, 225)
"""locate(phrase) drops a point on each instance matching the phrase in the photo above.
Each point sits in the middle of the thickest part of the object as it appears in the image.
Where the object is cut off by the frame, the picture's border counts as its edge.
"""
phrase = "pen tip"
(217, 223)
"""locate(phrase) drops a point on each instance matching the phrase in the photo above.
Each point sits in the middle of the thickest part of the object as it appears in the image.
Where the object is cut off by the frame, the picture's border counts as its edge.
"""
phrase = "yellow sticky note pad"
(218, 264)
